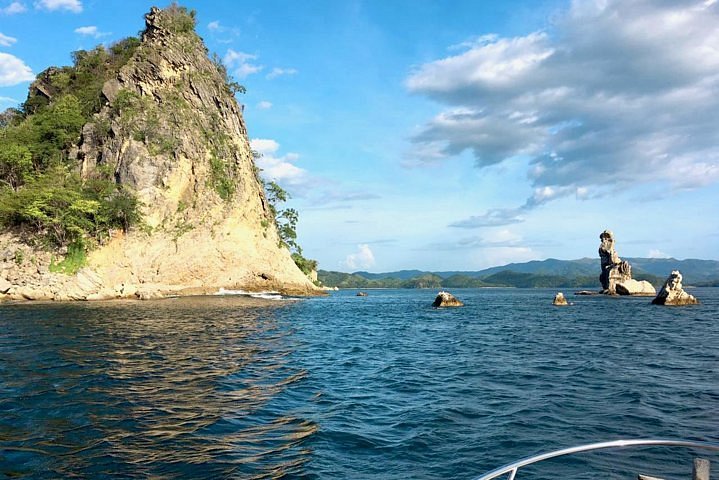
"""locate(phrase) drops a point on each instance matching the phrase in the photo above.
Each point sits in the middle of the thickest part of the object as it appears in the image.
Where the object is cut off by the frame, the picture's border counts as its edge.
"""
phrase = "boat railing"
(512, 468)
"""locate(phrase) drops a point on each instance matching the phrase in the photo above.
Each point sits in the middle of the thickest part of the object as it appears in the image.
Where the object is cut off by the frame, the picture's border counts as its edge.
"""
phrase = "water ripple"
(382, 388)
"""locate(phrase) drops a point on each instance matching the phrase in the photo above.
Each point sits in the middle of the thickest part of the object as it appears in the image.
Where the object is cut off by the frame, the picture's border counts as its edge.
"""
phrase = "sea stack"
(170, 130)
(672, 292)
(446, 299)
(616, 276)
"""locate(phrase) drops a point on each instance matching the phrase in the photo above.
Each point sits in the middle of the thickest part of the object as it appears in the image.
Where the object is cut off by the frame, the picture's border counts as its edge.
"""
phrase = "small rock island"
(616, 276)
(672, 292)
(446, 299)
(560, 300)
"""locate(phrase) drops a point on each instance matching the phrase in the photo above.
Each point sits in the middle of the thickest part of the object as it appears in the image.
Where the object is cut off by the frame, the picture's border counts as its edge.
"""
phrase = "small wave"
(269, 295)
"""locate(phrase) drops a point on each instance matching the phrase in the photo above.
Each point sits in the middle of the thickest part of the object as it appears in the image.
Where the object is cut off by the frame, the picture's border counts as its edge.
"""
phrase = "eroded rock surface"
(560, 300)
(172, 131)
(616, 276)
(672, 292)
(446, 299)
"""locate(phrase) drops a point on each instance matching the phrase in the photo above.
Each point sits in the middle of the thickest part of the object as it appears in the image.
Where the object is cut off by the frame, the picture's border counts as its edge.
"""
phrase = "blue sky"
(453, 135)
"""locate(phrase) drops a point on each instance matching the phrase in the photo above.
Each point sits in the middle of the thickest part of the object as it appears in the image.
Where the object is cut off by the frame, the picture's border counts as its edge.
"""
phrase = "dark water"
(379, 387)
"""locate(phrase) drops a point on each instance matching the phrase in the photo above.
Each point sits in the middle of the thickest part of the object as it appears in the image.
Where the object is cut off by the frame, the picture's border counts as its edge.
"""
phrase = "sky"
(452, 135)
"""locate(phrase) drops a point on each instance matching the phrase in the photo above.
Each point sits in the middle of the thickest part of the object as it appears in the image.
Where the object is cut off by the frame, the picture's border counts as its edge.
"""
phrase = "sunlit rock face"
(172, 131)
(672, 292)
(446, 299)
(616, 276)
(559, 300)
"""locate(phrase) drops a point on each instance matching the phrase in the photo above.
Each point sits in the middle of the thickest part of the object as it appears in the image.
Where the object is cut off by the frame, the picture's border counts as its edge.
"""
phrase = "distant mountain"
(693, 270)
(550, 273)
(400, 275)
(550, 266)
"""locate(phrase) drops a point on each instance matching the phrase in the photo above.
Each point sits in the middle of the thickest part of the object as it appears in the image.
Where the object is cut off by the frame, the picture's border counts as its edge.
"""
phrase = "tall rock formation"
(172, 131)
(616, 276)
(672, 292)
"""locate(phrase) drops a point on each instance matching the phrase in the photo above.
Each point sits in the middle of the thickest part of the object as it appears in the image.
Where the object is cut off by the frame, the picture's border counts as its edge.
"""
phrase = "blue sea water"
(376, 387)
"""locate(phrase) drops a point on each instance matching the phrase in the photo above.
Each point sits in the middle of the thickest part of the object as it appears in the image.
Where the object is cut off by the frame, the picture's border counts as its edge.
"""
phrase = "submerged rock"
(559, 299)
(446, 299)
(672, 292)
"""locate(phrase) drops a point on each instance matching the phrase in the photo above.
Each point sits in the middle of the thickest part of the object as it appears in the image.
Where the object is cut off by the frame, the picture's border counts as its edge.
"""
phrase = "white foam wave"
(269, 295)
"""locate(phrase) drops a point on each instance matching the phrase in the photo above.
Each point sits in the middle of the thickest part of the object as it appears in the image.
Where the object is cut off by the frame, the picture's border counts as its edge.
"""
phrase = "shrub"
(75, 259)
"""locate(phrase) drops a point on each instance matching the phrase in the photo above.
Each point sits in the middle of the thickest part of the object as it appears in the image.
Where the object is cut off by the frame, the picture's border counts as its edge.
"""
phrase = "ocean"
(375, 387)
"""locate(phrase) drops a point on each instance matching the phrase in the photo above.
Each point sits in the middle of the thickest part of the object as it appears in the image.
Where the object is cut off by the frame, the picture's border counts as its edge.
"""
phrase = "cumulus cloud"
(319, 192)
(264, 105)
(6, 41)
(13, 8)
(240, 63)
(13, 71)
(278, 168)
(278, 72)
(362, 258)
(90, 31)
(74, 6)
(214, 26)
(618, 93)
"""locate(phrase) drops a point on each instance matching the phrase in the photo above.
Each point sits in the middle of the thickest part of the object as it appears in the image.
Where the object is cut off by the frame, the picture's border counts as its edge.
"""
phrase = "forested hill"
(550, 273)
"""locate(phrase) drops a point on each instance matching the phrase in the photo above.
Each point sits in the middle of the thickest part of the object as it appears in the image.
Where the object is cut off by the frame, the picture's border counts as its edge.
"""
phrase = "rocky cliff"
(172, 132)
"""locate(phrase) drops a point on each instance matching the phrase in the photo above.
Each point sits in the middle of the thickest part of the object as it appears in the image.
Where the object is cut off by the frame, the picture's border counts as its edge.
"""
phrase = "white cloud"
(654, 253)
(6, 41)
(619, 94)
(492, 218)
(278, 168)
(13, 71)
(265, 146)
(264, 105)
(241, 63)
(8, 100)
(90, 31)
(13, 8)
(362, 258)
(222, 33)
(74, 6)
(278, 72)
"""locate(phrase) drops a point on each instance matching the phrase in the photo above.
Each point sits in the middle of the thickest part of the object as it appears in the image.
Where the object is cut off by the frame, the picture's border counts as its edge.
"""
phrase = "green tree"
(15, 164)
(286, 222)
(52, 131)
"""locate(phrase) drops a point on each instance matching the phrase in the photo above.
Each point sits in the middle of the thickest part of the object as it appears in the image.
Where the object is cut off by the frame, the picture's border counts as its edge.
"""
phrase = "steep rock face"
(172, 131)
(672, 292)
(616, 276)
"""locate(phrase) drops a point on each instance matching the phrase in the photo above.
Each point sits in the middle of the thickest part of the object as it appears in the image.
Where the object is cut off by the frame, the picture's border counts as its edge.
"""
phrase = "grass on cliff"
(74, 260)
